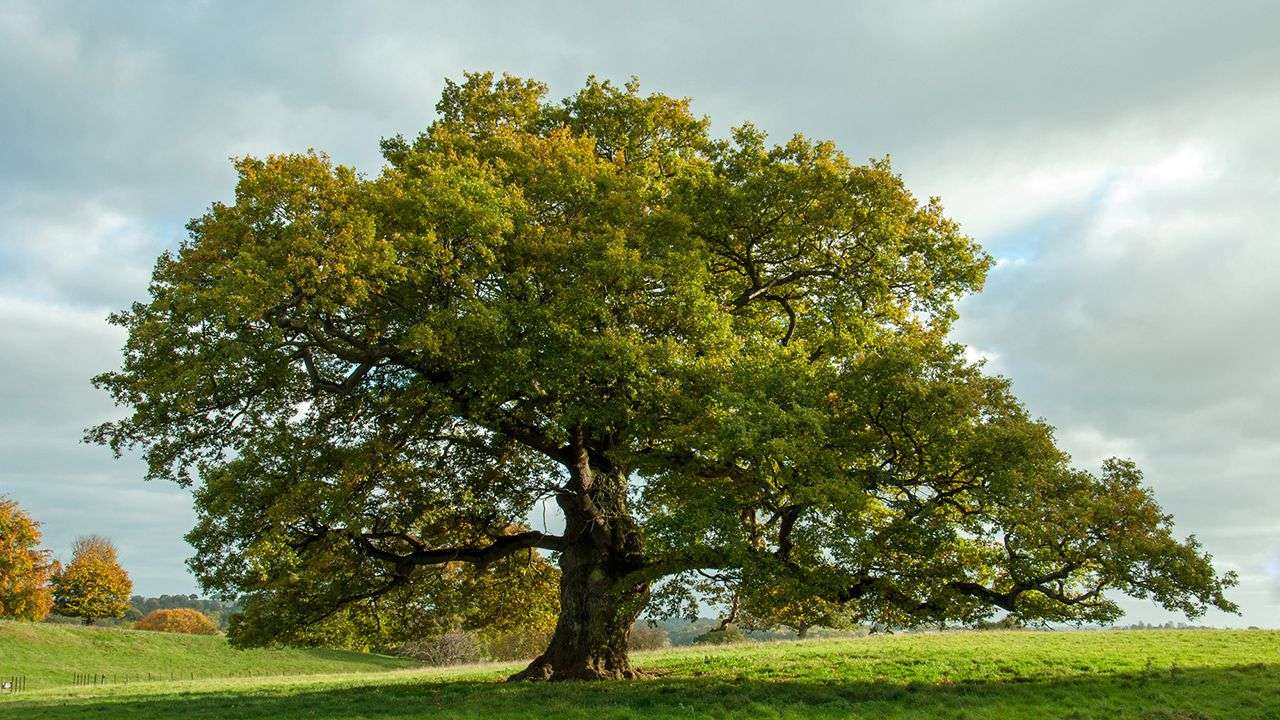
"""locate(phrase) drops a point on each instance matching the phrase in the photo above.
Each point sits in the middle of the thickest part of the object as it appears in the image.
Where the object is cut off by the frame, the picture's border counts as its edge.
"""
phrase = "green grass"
(1145, 675)
(49, 655)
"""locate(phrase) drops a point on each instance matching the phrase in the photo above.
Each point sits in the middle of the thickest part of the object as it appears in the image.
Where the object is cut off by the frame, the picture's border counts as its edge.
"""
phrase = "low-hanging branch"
(499, 548)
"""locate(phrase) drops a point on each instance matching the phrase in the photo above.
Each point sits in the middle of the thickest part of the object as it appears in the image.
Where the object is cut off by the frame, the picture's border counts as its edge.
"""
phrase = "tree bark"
(602, 545)
(802, 632)
(590, 639)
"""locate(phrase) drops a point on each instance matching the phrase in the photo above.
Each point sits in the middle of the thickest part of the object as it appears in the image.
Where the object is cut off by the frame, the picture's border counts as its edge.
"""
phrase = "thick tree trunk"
(590, 639)
(603, 544)
(802, 632)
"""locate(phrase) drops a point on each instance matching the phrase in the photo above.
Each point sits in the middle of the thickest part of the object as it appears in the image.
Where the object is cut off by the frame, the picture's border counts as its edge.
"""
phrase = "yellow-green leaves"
(93, 585)
(300, 229)
(749, 337)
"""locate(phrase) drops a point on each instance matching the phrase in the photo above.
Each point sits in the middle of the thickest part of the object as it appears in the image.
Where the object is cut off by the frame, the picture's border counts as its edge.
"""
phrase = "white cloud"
(1140, 210)
(1008, 188)
(990, 360)
(1089, 446)
(24, 31)
(87, 254)
(51, 351)
(1139, 321)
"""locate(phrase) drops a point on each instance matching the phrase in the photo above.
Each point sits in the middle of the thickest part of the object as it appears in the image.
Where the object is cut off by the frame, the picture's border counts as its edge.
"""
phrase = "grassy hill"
(49, 655)
(1139, 675)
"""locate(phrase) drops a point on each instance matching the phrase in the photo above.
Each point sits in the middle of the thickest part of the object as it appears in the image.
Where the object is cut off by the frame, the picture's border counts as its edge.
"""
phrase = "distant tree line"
(1166, 626)
(219, 612)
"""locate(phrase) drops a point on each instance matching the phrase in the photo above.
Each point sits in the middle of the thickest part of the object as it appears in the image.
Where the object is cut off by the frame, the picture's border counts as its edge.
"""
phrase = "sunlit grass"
(1146, 675)
(51, 655)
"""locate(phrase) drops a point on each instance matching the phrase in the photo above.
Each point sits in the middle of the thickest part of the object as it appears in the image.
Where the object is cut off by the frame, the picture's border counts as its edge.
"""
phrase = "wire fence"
(18, 683)
(132, 677)
(124, 678)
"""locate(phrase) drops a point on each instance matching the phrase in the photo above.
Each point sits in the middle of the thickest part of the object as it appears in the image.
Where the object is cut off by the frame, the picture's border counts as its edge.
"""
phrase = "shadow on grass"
(373, 660)
(1239, 693)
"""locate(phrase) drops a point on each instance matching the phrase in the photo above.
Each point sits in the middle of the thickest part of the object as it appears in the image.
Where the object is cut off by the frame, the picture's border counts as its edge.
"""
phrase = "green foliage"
(508, 603)
(93, 585)
(372, 377)
(721, 636)
(516, 643)
(769, 611)
(990, 675)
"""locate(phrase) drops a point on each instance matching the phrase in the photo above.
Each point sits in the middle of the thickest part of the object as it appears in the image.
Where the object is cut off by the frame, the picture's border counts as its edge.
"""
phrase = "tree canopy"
(25, 569)
(93, 585)
(220, 611)
(713, 353)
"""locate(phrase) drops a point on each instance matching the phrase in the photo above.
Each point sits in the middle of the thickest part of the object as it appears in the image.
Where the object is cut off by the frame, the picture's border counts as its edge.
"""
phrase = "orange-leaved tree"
(24, 569)
(93, 585)
(178, 620)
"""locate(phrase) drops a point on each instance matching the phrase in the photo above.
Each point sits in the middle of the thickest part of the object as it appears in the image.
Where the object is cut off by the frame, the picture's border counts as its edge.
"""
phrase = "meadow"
(1145, 675)
(52, 655)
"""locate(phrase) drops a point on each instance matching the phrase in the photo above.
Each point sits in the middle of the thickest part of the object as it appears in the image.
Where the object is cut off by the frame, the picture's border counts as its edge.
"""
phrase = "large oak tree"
(714, 354)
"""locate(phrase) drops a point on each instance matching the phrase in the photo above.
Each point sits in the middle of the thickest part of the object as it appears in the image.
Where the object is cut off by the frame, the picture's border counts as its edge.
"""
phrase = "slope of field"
(51, 655)
(1143, 675)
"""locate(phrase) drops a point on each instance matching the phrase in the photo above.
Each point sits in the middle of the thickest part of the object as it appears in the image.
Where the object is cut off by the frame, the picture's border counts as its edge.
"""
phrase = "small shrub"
(730, 634)
(648, 637)
(178, 620)
(455, 647)
(519, 644)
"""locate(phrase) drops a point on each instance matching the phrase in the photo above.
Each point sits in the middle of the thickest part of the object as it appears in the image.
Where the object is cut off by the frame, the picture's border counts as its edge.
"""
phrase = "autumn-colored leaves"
(25, 570)
(178, 620)
(92, 586)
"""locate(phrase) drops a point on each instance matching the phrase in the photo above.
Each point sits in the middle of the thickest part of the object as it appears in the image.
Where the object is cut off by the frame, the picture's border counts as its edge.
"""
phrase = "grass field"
(50, 655)
(1146, 675)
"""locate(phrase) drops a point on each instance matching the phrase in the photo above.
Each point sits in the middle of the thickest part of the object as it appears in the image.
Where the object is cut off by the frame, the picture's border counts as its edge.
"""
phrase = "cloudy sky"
(1121, 161)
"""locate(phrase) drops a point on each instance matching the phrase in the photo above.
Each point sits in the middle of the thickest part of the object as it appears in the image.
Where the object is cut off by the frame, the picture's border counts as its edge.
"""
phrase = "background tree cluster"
(218, 610)
(92, 586)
